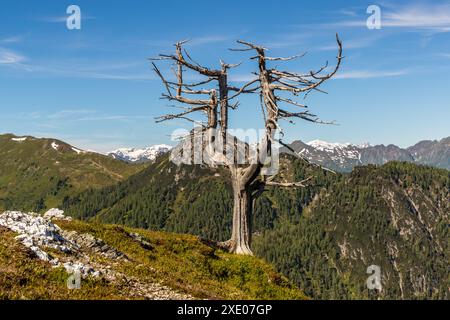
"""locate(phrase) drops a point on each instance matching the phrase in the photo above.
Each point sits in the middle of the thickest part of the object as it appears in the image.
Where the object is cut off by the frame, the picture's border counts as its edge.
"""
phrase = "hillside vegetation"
(395, 216)
(36, 174)
(154, 265)
(322, 237)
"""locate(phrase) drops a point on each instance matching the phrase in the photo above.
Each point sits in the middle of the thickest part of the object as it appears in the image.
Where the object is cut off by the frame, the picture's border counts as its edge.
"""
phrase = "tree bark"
(242, 215)
(242, 209)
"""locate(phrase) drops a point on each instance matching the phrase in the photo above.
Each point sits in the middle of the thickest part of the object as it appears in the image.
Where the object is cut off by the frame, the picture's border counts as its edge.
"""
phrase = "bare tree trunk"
(242, 214)
(242, 209)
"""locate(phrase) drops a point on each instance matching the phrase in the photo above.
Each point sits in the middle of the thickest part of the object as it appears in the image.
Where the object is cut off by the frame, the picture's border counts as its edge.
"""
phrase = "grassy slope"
(181, 262)
(32, 170)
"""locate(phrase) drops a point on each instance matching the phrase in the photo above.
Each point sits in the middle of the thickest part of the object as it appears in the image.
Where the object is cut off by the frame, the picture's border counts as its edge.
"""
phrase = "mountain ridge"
(38, 173)
(343, 157)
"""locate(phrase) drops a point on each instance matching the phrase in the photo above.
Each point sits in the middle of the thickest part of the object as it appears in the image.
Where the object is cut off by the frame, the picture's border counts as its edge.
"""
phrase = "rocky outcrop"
(36, 232)
(40, 234)
(56, 214)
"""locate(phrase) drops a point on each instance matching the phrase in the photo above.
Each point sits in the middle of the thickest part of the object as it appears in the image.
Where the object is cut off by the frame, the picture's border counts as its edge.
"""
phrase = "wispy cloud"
(89, 70)
(414, 16)
(63, 114)
(79, 115)
(367, 74)
(209, 39)
(191, 41)
(352, 12)
(106, 76)
(8, 57)
(69, 113)
(288, 40)
(355, 43)
(61, 19)
(126, 118)
(12, 39)
(242, 77)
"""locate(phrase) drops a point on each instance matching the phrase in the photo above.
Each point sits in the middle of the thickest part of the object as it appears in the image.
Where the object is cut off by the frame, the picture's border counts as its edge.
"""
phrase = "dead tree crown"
(214, 97)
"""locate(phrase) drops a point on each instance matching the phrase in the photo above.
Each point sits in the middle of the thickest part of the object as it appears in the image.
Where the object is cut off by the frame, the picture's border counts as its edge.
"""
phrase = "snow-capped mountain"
(140, 155)
(344, 156)
(336, 156)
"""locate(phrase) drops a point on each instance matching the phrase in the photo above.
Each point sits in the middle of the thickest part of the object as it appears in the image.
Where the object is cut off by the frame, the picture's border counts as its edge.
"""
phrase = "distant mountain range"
(341, 157)
(344, 157)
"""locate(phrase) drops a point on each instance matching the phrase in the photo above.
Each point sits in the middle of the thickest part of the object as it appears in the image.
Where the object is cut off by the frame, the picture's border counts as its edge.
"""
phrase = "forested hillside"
(395, 216)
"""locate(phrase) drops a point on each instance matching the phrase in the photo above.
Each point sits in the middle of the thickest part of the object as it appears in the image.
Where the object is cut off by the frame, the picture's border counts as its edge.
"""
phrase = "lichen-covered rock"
(36, 232)
(90, 243)
(56, 214)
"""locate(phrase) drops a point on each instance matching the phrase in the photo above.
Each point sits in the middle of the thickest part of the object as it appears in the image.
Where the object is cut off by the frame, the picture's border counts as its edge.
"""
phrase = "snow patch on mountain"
(55, 145)
(19, 139)
(78, 151)
(364, 145)
(337, 151)
(140, 155)
(327, 146)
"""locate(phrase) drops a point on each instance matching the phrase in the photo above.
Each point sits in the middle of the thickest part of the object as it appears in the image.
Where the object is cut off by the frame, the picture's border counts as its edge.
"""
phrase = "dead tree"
(246, 179)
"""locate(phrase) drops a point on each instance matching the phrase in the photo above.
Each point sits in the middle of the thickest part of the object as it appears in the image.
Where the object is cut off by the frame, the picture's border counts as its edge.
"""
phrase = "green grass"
(22, 276)
(184, 263)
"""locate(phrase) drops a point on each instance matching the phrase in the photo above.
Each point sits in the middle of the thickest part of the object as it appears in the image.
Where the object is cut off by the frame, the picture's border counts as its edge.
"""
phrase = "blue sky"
(94, 87)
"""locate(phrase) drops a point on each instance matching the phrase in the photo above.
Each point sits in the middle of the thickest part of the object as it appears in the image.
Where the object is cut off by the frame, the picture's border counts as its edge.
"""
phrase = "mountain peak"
(140, 155)
(327, 146)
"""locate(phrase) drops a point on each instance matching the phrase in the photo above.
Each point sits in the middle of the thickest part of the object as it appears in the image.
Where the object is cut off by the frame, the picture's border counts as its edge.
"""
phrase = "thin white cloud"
(69, 113)
(208, 39)
(348, 12)
(242, 77)
(114, 118)
(110, 71)
(191, 42)
(61, 19)
(368, 74)
(419, 17)
(106, 76)
(63, 114)
(12, 39)
(354, 43)
(8, 57)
